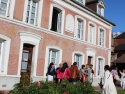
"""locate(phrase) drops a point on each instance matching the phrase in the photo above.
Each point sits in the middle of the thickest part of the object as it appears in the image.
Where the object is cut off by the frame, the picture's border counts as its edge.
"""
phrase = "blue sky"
(115, 12)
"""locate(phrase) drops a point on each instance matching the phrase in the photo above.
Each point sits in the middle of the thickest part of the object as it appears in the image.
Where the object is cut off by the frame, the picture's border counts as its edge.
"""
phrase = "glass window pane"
(4, 0)
(53, 60)
(29, 2)
(25, 56)
(33, 9)
(28, 8)
(24, 65)
(32, 21)
(0, 45)
(2, 12)
(32, 15)
(53, 54)
(33, 4)
(27, 13)
(3, 5)
(27, 19)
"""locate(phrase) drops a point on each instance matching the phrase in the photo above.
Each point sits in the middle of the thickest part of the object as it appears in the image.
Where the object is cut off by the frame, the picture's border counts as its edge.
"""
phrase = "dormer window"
(81, 1)
(100, 10)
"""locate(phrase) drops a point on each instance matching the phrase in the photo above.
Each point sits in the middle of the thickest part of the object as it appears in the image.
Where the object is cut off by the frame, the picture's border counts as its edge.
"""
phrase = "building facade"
(34, 33)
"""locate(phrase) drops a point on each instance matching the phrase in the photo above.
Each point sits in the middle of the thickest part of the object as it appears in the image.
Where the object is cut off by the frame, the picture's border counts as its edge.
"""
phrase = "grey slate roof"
(120, 36)
(121, 59)
(120, 47)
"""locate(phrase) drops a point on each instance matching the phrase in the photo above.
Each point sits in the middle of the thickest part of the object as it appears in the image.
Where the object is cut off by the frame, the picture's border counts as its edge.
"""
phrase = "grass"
(121, 91)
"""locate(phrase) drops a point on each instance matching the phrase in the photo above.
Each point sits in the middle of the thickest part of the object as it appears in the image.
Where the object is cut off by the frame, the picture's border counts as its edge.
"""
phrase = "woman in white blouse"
(123, 79)
(108, 86)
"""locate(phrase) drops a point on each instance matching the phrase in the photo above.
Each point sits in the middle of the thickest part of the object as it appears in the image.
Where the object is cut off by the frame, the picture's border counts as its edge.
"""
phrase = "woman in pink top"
(64, 72)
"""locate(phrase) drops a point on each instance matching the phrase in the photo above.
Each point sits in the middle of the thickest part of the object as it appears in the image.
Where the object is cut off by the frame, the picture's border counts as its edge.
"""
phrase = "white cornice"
(40, 29)
(90, 14)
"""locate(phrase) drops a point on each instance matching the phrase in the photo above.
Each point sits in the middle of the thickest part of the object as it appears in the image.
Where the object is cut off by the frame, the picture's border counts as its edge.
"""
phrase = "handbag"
(116, 77)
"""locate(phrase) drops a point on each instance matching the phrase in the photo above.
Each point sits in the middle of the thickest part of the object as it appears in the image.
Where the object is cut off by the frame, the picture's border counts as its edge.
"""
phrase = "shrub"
(65, 87)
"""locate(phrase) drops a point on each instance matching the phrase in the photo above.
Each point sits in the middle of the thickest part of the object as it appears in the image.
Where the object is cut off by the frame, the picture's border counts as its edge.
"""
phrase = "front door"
(89, 60)
(26, 65)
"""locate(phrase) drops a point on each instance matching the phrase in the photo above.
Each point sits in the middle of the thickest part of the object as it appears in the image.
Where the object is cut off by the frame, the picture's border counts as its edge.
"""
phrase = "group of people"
(115, 73)
(110, 77)
(86, 73)
(72, 74)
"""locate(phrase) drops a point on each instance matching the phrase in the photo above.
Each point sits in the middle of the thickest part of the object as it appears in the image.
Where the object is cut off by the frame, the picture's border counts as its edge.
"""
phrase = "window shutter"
(103, 38)
(82, 30)
(8, 8)
(59, 22)
(90, 34)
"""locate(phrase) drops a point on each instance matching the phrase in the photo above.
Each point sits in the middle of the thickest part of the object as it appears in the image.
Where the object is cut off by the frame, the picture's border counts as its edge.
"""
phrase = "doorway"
(26, 63)
(89, 60)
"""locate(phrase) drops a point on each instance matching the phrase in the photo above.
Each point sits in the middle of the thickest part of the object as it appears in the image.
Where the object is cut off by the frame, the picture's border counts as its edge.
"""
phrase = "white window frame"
(81, 58)
(59, 59)
(104, 36)
(33, 39)
(50, 56)
(83, 28)
(62, 18)
(10, 9)
(39, 13)
(5, 54)
(93, 33)
(103, 60)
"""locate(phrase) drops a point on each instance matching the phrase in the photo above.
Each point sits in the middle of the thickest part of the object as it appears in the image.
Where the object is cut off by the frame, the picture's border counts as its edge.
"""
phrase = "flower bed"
(65, 87)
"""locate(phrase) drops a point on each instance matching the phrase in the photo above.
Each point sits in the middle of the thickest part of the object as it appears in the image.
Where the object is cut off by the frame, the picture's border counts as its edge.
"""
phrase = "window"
(53, 54)
(1, 55)
(79, 29)
(101, 37)
(4, 53)
(91, 33)
(32, 12)
(100, 10)
(78, 59)
(4, 7)
(100, 67)
(80, 1)
(56, 23)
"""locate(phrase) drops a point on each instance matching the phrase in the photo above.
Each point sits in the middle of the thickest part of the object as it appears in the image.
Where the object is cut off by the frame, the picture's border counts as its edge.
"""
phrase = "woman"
(51, 72)
(82, 74)
(64, 72)
(108, 86)
(114, 73)
(123, 79)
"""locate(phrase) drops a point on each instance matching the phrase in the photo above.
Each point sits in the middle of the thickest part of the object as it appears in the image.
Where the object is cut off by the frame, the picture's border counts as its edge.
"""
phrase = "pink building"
(34, 33)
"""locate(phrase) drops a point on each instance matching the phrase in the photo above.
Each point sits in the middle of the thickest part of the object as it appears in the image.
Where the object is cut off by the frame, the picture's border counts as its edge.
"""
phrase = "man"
(88, 73)
(92, 73)
(74, 73)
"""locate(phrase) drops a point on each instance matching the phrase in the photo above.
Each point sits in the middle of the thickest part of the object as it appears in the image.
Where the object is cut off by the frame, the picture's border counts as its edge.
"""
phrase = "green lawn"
(121, 91)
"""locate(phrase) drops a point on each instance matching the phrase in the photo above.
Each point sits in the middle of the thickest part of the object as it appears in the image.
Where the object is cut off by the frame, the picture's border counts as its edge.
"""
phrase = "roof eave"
(92, 12)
